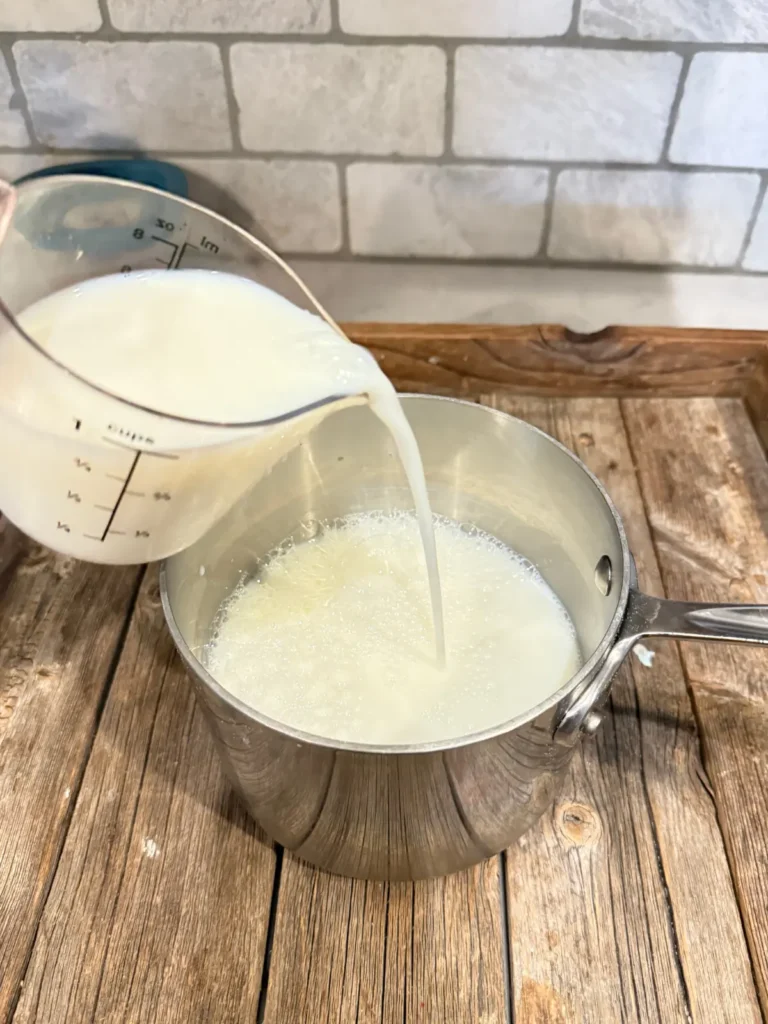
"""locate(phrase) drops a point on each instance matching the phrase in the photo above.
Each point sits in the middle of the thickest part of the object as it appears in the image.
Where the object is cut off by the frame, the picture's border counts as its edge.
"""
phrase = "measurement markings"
(182, 253)
(166, 263)
(143, 451)
(121, 495)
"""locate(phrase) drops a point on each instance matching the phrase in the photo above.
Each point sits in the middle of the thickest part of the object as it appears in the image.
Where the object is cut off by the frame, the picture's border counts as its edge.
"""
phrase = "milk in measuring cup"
(110, 482)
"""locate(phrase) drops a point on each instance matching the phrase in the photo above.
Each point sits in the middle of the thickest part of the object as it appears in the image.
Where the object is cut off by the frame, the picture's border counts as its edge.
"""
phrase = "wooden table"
(133, 888)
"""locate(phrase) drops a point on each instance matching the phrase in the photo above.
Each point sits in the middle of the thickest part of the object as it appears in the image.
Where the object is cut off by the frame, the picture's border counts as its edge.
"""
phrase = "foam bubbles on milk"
(334, 636)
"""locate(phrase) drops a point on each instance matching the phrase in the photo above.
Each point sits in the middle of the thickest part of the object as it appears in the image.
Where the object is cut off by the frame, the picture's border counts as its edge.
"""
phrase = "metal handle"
(655, 616)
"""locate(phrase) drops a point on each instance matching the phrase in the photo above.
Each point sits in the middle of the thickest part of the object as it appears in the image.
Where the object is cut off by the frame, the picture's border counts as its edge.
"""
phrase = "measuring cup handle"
(155, 173)
(655, 616)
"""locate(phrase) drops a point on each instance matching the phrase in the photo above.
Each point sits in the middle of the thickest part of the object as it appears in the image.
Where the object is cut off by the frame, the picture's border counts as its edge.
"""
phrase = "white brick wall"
(652, 216)
(723, 118)
(125, 95)
(560, 104)
(425, 210)
(12, 129)
(49, 16)
(704, 21)
(340, 99)
(756, 257)
(220, 15)
(295, 205)
(500, 18)
(620, 132)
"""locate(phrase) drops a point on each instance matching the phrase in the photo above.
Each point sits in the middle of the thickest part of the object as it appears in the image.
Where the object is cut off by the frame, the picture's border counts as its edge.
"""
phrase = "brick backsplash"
(585, 132)
(553, 103)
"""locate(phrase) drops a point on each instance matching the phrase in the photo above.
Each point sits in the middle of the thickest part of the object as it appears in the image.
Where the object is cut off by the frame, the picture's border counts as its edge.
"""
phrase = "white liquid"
(192, 343)
(334, 636)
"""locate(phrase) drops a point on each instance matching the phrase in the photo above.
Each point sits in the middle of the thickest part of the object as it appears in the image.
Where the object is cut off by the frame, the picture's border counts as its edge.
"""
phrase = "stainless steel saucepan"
(406, 812)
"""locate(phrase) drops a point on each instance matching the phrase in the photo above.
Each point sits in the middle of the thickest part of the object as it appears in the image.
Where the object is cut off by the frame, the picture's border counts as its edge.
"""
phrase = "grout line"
(346, 245)
(106, 20)
(233, 107)
(549, 208)
(19, 95)
(674, 111)
(752, 220)
(335, 28)
(566, 41)
(40, 149)
(533, 263)
(572, 32)
(450, 95)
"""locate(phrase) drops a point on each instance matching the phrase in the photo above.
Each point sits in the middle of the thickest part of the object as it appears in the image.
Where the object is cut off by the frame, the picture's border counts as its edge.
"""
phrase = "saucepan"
(408, 812)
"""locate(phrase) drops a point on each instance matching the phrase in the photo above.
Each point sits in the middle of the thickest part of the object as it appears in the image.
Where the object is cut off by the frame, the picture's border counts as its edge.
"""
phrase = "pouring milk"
(342, 636)
(193, 344)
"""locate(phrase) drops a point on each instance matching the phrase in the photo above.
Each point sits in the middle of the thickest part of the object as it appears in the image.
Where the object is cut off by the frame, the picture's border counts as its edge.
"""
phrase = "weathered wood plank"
(705, 482)
(469, 360)
(396, 954)
(708, 927)
(160, 904)
(588, 918)
(657, 751)
(60, 625)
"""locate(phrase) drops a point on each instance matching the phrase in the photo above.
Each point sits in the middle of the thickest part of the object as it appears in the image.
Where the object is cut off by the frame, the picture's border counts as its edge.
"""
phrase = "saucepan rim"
(575, 683)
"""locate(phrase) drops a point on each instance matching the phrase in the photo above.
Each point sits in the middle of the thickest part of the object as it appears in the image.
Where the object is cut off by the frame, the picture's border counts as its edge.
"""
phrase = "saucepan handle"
(654, 616)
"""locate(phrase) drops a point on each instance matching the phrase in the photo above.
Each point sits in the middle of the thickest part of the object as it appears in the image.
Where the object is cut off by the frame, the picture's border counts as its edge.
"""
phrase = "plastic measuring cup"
(82, 470)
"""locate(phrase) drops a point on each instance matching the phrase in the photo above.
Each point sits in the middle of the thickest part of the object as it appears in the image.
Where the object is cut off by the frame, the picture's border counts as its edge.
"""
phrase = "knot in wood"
(579, 824)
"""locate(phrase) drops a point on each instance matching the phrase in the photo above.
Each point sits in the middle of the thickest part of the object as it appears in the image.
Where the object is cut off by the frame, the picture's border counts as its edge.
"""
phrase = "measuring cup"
(82, 470)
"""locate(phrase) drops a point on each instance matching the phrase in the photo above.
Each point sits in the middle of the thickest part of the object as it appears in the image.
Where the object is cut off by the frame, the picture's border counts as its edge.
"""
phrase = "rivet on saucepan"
(592, 723)
(604, 575)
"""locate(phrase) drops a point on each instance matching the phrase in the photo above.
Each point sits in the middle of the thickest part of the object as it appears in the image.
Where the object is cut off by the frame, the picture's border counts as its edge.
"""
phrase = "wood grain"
(589, 920)
(654, 714)
(159, 907)
(701, 470)
(472, 360)
(51, 688)
(134, 889)
(368, 952)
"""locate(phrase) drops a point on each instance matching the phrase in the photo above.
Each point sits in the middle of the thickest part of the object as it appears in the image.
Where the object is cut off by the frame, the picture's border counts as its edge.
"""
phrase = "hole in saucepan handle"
(604, 575)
